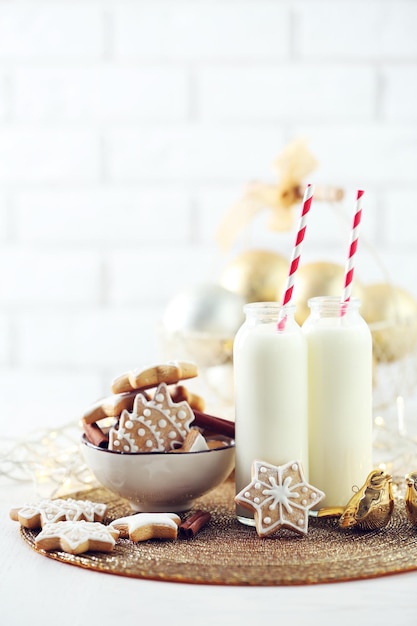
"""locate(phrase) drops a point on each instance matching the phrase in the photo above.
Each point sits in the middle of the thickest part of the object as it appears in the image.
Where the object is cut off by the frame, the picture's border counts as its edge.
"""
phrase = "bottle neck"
(329, 306)
(268, 312)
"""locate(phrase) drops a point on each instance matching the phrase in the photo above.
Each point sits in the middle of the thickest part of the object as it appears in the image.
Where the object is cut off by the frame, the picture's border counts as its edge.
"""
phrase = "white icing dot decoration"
(303, 502)
(267, 520)
(149, 443)
(304, 490)
(256, 500)
(126, 448)
(162, 423)
(172, 434)
(129, 424)
(301, 522)
(141, 432)
(294, 467)
(181, 414)
(247, 494)
(147, 413)
(313, 495)
(263, 470)
(257, 485)
(159, 397)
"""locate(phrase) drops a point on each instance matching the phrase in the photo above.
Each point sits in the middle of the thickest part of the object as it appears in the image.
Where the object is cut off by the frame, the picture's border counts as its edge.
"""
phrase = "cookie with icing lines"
(77, 537)
(113, 405)
(279, 497)
(54, 510)
(170, 373)
(153, 425)
(145, 526)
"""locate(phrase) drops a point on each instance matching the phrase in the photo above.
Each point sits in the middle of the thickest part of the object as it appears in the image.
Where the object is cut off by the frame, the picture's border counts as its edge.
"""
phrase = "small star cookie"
(77, 537)
(280, 497)
(144, 526)
(49, 511)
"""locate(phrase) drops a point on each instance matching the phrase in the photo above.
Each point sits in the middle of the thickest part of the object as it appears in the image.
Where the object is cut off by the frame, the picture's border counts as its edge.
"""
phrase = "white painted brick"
(55, 277)
(154, 275)
(370, 29)
(400, 217)
(4, 99)
(103, 215)
(3, 216)
(98, 94)
(31, 155)
(399, 101)
(53, 31)
(308, 92)
(5, 340)
(195, 152)
(213, 203)
(364, 155)
(110, 339)
(48, 398)
(202, 30)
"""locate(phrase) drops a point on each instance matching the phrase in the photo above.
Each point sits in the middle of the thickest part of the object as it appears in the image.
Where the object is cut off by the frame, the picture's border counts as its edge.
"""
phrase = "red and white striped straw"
(296, 253)
(350, 263)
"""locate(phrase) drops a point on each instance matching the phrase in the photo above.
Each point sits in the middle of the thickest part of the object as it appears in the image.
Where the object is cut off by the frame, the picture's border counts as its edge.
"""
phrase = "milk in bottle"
(340, 398)
(270, 380)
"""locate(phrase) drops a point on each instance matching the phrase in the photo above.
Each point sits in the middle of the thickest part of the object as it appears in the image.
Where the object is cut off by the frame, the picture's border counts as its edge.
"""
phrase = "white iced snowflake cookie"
(279, 497)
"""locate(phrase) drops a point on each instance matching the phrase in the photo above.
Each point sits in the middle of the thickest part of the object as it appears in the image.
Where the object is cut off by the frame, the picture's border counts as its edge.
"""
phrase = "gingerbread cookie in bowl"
(146, 378)
(153, 425)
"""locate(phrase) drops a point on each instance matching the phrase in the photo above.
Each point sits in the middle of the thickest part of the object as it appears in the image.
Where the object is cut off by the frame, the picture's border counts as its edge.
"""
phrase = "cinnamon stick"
(216, 425)
(95, 435)
(191, 526)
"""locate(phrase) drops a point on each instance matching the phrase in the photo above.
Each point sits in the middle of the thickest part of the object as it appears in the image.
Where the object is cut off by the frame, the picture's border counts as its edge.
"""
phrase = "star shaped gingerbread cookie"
(56, 510)
(77, 537)
(144, 526)
(279, 496)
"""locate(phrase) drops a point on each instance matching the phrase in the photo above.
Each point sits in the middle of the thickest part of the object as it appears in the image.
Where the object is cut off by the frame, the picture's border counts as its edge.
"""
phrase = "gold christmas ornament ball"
(391, 313)
(319, 278)
(256, 275)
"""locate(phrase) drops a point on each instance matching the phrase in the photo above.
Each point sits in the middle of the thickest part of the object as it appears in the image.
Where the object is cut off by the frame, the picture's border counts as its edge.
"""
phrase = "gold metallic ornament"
(370, 508)
(256, 275)
(319, 278)
(391, 313)
(411, 497)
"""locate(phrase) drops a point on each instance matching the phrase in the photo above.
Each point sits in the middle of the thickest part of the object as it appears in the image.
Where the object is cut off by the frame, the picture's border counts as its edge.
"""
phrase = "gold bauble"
(391, 313)
(256, 275)
(319, 278)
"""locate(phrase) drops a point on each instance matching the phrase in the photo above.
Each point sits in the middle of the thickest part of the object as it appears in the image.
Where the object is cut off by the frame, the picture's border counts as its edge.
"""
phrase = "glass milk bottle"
(339, 346)
(270, 380)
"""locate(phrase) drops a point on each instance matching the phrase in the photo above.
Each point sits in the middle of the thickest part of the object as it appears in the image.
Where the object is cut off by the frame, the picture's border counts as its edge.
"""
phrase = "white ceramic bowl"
(160, 481)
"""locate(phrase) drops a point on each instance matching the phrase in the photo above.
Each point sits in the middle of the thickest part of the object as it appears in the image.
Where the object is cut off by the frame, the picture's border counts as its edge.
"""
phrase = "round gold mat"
(227, 553)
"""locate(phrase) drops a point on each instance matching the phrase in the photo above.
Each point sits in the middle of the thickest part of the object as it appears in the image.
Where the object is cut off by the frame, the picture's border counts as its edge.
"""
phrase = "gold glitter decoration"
(227, 553)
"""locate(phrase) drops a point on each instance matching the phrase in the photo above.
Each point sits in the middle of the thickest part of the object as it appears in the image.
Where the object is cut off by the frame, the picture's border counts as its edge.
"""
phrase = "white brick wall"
(128, 128)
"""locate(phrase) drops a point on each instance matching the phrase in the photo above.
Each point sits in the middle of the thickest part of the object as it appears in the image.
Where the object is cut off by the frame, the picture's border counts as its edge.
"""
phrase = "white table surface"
(35, 590)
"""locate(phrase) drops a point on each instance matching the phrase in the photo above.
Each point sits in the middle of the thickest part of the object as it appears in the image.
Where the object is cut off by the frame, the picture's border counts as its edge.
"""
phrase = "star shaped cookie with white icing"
(144, 526)
(77, 537)
(279, 497)
(56, 510)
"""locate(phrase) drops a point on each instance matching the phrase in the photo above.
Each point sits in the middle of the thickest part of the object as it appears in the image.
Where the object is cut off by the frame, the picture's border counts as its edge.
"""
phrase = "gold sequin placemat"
(227, 553)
